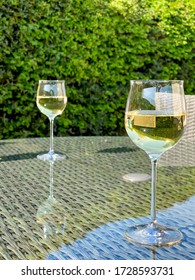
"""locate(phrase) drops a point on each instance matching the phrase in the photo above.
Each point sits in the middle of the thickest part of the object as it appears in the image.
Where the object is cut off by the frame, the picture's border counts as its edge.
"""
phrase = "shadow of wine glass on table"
(50, 214)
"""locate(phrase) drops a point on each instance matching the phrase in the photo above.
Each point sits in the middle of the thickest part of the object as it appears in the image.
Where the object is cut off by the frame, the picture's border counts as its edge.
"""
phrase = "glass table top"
(93, 204)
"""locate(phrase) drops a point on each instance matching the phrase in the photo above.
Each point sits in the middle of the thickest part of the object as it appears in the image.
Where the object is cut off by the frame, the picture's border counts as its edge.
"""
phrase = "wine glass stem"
(51, 150)
(51, 179)
(153, 192)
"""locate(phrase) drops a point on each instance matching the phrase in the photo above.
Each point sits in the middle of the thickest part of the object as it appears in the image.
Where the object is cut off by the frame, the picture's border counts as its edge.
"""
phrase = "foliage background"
(97, 46)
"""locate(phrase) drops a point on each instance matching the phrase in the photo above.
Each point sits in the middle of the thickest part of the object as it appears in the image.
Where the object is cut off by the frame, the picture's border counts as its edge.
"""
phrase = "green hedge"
(97, 46)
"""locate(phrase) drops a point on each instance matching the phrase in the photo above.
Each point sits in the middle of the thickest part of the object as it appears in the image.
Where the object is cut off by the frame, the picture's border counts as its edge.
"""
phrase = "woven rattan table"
(93, 199)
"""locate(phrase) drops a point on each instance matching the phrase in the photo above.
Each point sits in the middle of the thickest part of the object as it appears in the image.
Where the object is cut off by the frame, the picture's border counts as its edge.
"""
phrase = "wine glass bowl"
(155, 120)
(51, 101)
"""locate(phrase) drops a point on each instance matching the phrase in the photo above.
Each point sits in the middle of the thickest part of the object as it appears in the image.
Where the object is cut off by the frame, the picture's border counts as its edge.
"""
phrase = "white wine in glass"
(51, 101)
(155, 120)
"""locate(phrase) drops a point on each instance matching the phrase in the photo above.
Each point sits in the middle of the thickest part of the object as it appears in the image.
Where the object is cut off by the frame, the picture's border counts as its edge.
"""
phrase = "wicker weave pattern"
(190, 129)
(97, 204)
(183, 154)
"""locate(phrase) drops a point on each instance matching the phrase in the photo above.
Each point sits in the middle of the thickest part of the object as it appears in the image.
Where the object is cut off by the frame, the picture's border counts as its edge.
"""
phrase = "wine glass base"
(51, 157)
(136, 177)
(153, 235)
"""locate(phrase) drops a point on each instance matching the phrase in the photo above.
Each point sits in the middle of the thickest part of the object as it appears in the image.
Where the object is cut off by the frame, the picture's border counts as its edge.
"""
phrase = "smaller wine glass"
(51, 101)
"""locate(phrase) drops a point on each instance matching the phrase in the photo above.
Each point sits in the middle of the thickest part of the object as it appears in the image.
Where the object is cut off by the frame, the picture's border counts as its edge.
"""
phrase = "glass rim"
(139, 80)
(52, 81)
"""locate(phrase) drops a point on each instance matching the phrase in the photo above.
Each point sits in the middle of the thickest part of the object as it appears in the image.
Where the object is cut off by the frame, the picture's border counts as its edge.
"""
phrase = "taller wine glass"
(51, 101)
(155, 119)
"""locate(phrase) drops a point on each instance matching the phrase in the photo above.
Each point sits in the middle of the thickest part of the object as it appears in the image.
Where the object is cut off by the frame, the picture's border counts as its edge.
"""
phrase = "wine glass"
(51, 101)
(155, 120)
